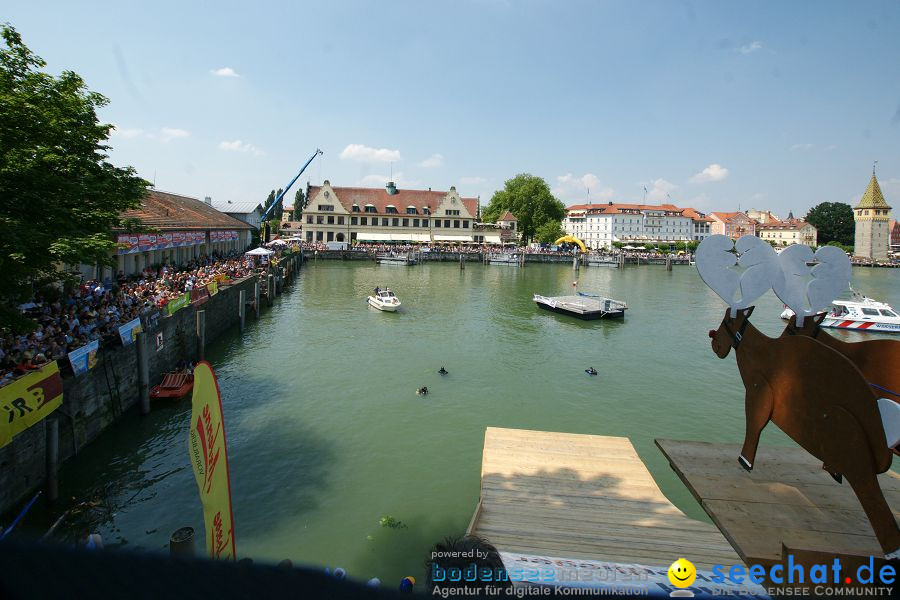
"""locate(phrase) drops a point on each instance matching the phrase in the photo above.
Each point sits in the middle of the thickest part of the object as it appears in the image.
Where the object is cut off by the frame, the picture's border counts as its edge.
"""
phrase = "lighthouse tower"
(872, 215)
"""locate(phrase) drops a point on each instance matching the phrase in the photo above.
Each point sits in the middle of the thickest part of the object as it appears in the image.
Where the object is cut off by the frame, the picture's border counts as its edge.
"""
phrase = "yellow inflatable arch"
(570, 239)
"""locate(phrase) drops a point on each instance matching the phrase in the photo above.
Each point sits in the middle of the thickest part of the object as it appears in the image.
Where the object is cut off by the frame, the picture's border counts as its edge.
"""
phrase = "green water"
(326, 434)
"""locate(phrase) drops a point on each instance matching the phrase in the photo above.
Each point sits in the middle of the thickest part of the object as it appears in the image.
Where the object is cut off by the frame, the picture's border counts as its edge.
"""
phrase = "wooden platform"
(584, 496)
(787, 498)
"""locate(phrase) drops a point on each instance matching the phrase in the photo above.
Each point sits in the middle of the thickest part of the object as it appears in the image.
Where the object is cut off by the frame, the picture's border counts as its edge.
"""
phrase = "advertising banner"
(215, 236)
(213, 288)
(165, 240)
(128, 332)
(176, 304)
(178, 238)
(209, 458)
(199, 295)
(83, 359)
(131, 243)
(146, 241)
(27, 400)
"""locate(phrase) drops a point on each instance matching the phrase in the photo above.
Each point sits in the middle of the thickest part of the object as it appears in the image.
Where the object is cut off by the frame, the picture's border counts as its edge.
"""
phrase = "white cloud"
(751, 47)
(471, 180)
(797, 147)
(126, 133)
(239, 146)
(659, 190)
(435, 160)
(375, 180)
(168, 134)
(714, 172)
(569, 188)
(225, 72)
(363, 153)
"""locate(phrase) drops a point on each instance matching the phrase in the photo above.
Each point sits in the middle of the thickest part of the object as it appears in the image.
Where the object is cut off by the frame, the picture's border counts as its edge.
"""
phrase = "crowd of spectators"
(375, 248)
(94, 310)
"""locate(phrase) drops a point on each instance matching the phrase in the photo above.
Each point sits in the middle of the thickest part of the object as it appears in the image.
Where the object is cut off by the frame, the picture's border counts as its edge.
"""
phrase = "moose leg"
(865, 486)
(758, 409)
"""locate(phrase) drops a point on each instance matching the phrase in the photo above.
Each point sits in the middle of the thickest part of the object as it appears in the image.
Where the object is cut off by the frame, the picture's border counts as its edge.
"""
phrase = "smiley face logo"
(682, 573)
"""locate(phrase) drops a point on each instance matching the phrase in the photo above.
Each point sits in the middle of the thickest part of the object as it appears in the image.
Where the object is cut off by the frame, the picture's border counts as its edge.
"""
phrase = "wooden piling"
(143, 358)
(52, 428)
(270, 289)
(201, 334)
(462, 263)
(668, 262)
(256, 297)
(242, 307)
(181, 542)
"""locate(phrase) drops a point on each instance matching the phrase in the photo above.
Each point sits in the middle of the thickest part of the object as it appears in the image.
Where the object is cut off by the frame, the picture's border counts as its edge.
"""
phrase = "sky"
(716, 105)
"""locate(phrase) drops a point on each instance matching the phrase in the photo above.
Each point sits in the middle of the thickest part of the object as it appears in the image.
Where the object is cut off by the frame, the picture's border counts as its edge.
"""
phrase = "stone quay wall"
(310, 255)
(94, 401)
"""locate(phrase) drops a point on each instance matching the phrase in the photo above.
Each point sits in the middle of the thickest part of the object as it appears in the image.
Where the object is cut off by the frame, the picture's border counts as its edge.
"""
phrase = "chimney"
(391, 188)
(208, 200)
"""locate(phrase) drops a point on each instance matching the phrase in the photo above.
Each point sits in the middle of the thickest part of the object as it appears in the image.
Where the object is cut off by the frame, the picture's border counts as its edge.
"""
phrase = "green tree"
(549, 232)
(59, 197)
(527, 197)
(300, 203)
(844, 247)
(276, 214)
(834, 221)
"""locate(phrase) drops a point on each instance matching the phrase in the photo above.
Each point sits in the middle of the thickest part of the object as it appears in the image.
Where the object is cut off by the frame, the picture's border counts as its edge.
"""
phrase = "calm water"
(326, 434)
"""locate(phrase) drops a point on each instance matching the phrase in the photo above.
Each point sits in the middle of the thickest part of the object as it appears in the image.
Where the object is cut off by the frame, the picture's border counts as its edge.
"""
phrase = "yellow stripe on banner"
(26, 401)
(209, 458)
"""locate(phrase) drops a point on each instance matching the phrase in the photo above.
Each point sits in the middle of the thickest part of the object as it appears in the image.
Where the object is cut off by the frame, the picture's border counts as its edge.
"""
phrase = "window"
(456, 223)
(326, 207)
(318, 236)
(370, 208)
(415, 222)
(320, 220)
(870, 311)
(330, 236)
(391, 209)
(406, 222)
(465, 224)
(309, 220)
(356, 208)
(340, 220)
(447, 223)
(453, 212)
(353, 220)
(331, 219)
(411, 210)
(888, 313)
(437, 222)
(364, 220)
(426, 210)
(384, 222)
(424, 222)
(309, 236)
(395, 222)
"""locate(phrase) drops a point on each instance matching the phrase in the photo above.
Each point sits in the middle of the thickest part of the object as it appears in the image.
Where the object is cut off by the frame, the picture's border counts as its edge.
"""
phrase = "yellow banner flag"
(27, 400)
(209, 457)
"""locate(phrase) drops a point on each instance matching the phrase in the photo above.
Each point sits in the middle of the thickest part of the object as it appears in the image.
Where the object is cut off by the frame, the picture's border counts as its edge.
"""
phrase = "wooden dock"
(584, 496)
(787, 499)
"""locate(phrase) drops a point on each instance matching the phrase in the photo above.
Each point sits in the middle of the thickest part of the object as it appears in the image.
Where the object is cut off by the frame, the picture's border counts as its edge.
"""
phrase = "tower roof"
(873, 197)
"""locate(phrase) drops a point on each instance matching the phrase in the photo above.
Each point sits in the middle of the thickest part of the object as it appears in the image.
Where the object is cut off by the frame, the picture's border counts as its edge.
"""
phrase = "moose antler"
(805, 297)
(718, 254)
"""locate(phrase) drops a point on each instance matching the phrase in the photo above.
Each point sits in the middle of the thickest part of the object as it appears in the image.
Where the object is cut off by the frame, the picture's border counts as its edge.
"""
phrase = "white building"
(599, 225)
(787, 233)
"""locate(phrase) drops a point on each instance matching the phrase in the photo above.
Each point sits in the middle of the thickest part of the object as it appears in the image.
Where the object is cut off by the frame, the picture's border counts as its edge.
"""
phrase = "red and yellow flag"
(27, 400)
(209, 457)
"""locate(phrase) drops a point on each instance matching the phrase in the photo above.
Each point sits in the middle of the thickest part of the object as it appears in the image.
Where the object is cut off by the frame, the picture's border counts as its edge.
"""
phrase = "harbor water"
(336, 461)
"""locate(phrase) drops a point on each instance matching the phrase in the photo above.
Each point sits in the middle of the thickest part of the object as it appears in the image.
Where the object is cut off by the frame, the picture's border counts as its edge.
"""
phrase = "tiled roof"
(244, 207)
(380, 199)
(166, 211)
(791, 225)
(873, 197)
(618, 208)
(507, 216)
(728, 216)
(695, 216)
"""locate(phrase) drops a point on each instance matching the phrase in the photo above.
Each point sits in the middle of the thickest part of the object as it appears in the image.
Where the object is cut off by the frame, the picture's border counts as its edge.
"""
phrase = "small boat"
(384, 300)
(395, 258)
(175, 385)
(505, 258)
(860, 313)
(583, 305)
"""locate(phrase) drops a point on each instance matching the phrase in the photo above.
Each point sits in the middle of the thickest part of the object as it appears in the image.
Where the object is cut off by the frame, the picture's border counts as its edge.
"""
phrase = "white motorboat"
(384, 300)
(860, 313)
(395, 258)
(504, 259)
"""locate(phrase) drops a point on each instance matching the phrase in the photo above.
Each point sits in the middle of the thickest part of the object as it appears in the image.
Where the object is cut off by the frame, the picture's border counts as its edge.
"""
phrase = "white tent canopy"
(260, 252)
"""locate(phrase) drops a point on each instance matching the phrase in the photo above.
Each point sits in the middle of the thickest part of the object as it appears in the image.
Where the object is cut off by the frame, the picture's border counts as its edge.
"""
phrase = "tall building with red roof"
(601, 225)
(389, 214)
(733, 224)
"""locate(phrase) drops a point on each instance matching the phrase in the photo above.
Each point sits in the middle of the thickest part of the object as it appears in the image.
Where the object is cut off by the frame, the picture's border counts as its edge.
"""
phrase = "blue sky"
(719, 105)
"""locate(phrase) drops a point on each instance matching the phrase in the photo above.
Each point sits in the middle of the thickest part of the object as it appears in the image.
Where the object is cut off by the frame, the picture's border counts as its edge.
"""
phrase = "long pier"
(450, 256)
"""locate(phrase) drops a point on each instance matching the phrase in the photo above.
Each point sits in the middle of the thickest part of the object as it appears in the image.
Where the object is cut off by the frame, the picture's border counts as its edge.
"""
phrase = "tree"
(276, 214)
(59, 198)
(549, 232)
(834, 221)
(300, 203)
(528, 198)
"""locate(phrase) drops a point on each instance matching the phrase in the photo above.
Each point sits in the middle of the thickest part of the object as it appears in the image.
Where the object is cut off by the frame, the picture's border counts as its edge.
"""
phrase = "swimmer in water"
(591, 371)
(422, 390)
(443, 371)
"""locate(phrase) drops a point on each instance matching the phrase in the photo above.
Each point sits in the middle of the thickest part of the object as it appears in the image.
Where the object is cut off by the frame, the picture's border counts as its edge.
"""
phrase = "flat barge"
(586, 307)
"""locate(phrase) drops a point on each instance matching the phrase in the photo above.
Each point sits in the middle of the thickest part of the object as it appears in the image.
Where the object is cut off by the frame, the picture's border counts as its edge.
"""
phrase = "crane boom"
(280, 196)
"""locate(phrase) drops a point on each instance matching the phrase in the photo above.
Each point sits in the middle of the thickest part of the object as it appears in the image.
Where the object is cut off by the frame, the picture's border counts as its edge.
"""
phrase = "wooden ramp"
(584, 496)
(787, 498)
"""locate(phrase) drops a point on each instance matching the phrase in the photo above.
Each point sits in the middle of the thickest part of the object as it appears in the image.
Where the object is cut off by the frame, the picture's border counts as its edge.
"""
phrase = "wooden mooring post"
(668, 262)
(201, 334)
(462, 262)
(270, 289)
(256, 297)
(143, 358)
(181, 542)
(242, 307)
(52, 429)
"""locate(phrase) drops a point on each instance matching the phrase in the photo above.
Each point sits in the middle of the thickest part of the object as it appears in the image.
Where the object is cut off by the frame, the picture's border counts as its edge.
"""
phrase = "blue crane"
(280, 196)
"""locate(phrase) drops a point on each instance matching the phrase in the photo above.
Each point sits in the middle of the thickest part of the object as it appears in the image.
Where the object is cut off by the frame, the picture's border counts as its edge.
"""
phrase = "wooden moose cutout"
(812, 392)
